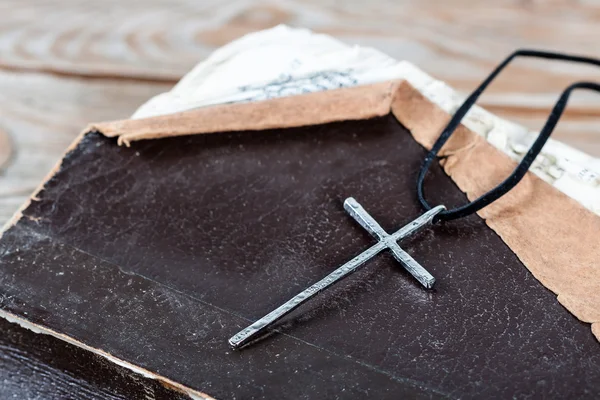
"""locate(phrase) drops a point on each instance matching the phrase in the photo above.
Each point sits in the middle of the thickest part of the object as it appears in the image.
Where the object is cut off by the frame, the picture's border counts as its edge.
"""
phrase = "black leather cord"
(535, 149)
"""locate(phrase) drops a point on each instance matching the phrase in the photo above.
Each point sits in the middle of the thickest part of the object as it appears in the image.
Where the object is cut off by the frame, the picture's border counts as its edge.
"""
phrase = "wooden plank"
(43, 114)
(163, 39)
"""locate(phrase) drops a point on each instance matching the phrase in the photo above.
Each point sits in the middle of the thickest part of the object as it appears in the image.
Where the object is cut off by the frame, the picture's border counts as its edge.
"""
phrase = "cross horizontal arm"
(416, 224)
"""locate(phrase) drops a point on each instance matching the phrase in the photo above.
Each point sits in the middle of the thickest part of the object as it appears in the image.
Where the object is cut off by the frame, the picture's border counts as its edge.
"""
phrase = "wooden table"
(63, 64)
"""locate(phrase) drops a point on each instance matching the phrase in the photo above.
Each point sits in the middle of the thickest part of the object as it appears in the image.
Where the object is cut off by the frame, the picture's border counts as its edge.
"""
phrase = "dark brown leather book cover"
(154, 255)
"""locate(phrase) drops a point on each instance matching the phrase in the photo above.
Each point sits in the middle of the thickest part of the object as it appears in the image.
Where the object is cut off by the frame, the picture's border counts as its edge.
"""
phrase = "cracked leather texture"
(158, 253)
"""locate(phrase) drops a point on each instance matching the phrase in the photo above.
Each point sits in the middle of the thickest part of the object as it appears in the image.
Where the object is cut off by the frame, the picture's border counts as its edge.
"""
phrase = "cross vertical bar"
(247, 334)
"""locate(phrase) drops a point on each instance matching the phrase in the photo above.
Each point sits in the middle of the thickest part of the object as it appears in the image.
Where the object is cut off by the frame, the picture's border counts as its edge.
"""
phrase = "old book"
(155, 253)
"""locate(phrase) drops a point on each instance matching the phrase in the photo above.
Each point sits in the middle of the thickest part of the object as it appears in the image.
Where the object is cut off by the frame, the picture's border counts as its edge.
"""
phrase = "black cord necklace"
(386, 241)
(519, 172)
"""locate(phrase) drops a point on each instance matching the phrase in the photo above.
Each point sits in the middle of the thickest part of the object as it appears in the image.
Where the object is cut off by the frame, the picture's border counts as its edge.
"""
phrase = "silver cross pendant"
(385, 241)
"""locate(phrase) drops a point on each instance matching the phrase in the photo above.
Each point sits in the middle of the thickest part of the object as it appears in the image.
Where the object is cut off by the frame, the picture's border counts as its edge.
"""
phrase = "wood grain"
(458, 41)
